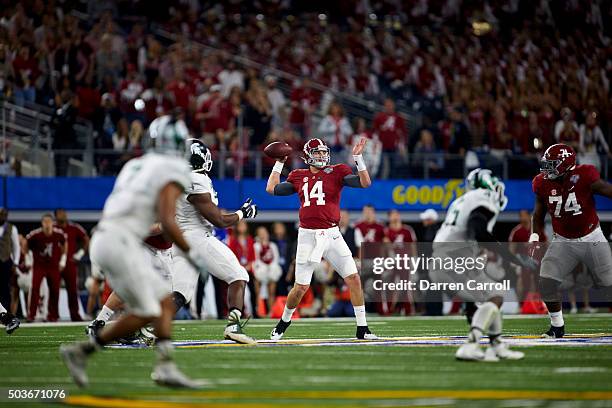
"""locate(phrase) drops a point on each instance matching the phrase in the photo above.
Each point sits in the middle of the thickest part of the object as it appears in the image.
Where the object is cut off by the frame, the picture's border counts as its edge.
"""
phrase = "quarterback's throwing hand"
(249, 210)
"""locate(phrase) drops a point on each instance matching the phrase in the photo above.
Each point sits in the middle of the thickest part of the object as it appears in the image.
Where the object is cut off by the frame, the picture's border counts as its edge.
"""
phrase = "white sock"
(483, 319)
(287, 313)
(360, 315)
(105, 314)
(234, 315)
(556, 319)
(2, 309)
(164, 349)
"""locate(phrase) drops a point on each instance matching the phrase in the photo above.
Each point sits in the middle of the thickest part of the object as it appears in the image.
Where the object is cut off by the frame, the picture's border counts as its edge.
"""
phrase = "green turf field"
(351, 375)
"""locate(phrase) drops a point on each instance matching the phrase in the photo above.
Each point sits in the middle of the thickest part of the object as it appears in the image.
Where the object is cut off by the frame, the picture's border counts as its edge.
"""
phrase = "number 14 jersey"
(570, 201)
(319, 195)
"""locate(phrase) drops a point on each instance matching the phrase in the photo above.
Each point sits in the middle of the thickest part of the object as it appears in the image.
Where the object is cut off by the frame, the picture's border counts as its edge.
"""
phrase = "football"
(278, 150)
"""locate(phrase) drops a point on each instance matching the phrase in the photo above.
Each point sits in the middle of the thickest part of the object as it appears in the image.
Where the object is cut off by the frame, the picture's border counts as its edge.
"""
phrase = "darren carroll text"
(471, 284)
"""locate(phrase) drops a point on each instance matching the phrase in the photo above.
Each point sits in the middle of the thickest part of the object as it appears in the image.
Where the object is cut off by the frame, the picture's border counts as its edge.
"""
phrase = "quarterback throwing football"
(319, 187)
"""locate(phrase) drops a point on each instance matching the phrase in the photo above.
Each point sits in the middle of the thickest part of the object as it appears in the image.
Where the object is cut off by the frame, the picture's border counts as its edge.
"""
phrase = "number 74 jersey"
(570, 201)
(319, 195)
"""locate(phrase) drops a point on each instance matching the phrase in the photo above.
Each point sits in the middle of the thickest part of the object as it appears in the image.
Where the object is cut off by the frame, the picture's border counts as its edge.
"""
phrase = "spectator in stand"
(397, 232)
(77, 242)
(157, 100)
(108, 60)
(242, 245)
(304, 101)
(458, 133)
(499, 132)
(48, 245)
(214, 115)
(64, 136)
(430, 227)
(566, 129)
(342, 306)
(231, 77)
(391, 129)
(88, 97)
(266, 268)
(257, 114)
(335, 129)
(131, 89)
(121, 137)
(25, 69)
(277, 101)
(182, 91)
(427, 155)
(368, 229)
(593, 145)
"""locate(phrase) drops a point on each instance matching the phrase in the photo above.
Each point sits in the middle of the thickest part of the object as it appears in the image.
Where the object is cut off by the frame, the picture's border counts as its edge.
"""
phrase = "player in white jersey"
(197, 214)
(145, 192)
(468, 225)
(10, 322)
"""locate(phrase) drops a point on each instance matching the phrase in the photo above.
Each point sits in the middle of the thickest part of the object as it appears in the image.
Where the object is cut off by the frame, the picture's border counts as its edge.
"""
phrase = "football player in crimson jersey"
(319, 188)
(566, 191)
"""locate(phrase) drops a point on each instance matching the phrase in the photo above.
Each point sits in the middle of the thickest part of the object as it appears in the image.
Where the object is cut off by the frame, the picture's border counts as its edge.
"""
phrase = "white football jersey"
(133, 201)
(454, 228)
(188, 217)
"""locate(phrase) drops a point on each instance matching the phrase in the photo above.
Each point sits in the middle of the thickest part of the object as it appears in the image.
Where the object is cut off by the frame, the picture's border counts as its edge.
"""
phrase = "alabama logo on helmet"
(316, 153)
(558, 159)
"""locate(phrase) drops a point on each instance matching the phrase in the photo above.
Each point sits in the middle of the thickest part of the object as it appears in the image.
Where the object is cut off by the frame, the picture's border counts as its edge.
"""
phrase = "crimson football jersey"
(47, 249)
(319, 195)
(369, 232)
(74, 233)
(570, 201)
(404, 234)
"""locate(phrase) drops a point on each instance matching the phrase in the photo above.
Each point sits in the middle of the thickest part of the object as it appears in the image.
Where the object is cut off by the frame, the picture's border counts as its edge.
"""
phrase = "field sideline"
(310, 369)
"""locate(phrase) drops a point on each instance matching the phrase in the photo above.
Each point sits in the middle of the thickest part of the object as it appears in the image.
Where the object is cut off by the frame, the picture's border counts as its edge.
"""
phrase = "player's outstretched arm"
(362, 171)
(166, 209)
(209, 210)
(274, 185)
(602, 188)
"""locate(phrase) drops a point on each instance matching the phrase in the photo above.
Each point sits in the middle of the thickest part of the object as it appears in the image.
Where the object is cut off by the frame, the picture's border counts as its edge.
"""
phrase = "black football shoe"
(554, 332)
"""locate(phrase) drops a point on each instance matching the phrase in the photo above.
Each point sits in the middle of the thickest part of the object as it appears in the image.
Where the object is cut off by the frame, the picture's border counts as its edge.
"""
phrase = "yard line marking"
(575, 340)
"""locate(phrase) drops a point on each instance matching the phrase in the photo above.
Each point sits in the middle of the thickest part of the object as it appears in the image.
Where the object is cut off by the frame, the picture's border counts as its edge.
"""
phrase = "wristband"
(278, 167)
(534, 237)
(359, 162)
(240, 214)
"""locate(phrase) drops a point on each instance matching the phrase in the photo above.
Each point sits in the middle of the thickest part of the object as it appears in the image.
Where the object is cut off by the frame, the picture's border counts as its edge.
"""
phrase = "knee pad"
(179, 300)
(549, 289)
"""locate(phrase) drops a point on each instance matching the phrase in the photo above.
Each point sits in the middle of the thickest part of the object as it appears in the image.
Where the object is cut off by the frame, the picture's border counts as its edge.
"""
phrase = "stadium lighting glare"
(481, 27)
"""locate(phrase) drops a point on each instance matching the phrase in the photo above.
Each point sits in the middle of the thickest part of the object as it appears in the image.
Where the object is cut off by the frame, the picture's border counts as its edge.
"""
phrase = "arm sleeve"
(352, 180)
(592, 174)
(477, 229)
(16, 247)
(284, 189)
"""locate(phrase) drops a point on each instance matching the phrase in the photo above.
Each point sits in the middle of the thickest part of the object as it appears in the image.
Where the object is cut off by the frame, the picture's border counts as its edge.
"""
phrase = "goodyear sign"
(404, 195)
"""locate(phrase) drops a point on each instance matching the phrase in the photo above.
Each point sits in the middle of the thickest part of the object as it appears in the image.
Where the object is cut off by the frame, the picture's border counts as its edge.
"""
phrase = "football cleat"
(502, 351)
(554, 332)
(75, 359)
(94, 328)
(364, 333)
(233, 330)
(470, 351)
(279, 330)
(10, 321)
(134, 339)
(167, 374)
(147, 335)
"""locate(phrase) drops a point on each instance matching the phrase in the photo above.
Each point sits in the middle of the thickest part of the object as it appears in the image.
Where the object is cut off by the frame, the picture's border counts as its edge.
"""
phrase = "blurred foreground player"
(145, 192)
(197, 214)
(319, 187)
(566, 191)
(468, 226)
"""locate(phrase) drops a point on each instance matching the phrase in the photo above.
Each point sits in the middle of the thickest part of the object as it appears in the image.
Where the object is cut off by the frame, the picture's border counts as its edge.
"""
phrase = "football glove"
(248, 209)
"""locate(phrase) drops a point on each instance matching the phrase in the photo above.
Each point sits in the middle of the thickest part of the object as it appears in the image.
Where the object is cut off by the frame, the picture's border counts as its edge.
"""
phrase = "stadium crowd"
(494, 77)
